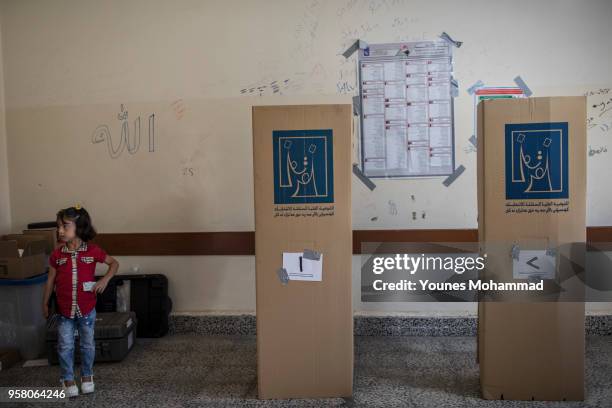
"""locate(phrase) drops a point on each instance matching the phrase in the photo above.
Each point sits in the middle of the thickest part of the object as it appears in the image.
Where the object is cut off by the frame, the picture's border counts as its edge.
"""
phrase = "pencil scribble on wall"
(392, 207)
(103, 134)
(470, 149)
(152, 132)
(179, 108)
(266, 88)
(597, 150)
(599, 115)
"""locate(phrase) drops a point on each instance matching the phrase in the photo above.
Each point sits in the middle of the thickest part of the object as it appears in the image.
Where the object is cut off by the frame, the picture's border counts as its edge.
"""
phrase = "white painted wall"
(68, 65)
(5, 210)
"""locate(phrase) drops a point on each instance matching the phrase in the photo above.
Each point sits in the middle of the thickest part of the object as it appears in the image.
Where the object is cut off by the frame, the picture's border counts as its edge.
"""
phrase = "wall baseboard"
(245, 325)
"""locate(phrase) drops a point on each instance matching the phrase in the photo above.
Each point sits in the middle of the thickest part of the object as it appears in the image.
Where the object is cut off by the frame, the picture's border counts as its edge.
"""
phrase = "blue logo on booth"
(303, 166)
(536, 161)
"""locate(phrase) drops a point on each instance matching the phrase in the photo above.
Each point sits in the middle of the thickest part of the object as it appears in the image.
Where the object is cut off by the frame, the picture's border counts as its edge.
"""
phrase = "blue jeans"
(65, 344)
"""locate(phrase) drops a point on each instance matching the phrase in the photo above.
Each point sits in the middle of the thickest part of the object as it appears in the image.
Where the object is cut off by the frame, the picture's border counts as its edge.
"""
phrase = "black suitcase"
(145, 295)
(114, 334)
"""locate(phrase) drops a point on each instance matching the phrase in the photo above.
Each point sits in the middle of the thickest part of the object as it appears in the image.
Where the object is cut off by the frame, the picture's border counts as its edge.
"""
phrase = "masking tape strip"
(514, 252)
(283, 276)
(454, 88)
(451, 179)
(521, 84)
(356, 105)
(473, 140)
(477, 85)
(364, 179)
(312, 255)
(448, 39)
(357, 45)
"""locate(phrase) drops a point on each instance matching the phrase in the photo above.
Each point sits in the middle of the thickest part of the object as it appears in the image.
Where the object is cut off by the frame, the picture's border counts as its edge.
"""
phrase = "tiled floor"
(188, 370)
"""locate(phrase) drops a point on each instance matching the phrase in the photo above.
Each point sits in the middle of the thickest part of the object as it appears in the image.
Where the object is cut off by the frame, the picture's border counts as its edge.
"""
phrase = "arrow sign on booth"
(534, 264)
(531, 262)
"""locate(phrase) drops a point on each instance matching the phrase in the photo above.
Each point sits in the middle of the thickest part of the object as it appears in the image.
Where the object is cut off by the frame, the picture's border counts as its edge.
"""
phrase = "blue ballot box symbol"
(537, 160)
(303, 166)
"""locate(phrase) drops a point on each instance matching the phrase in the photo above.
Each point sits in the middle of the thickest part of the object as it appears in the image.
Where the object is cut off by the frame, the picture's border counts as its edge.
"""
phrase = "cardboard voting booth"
(531, 201)
(303, 246)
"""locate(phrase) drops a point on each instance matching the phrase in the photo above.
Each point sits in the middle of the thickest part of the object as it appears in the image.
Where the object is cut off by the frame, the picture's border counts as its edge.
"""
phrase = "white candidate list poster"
(407, 109)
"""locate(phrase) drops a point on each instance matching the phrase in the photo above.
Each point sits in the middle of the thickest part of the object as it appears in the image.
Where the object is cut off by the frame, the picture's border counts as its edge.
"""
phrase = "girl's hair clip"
(77, 206)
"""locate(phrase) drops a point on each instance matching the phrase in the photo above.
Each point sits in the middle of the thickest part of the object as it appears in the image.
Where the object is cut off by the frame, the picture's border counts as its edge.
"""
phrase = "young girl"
(72, 267)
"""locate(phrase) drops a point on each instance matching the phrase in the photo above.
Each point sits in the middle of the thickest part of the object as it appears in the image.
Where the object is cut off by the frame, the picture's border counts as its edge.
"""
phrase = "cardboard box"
(22, 256)
(302, 175)
(530, 350)
(49, 234)
(8, 357)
